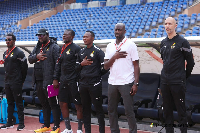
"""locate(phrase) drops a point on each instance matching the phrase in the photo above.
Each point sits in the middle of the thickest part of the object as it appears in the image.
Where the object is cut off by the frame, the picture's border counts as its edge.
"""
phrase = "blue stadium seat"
(186, 26)
(179, 9)
(179, 29)
(133, 34)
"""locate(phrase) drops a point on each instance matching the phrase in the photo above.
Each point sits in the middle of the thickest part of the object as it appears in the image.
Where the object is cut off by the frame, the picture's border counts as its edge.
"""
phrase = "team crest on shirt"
(68, 52)
(11, 55)
(173, 45)
(92, 54)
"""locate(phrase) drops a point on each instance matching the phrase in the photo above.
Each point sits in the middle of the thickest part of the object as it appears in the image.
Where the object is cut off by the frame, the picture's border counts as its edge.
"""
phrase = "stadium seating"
(191, 100)
(10, 14)
(137, 18)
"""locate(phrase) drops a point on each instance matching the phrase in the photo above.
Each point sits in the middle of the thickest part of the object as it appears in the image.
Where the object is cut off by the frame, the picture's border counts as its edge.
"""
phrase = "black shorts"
(69, 93)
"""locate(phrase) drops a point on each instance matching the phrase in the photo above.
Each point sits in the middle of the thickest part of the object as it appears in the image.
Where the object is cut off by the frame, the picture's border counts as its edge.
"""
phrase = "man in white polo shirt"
(122, 59)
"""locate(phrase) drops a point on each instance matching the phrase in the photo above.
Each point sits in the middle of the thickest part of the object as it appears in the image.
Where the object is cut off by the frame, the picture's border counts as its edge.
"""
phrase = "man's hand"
(55, 84)
(41, 56)
(120, 54)
(133, 90)
(86, 62)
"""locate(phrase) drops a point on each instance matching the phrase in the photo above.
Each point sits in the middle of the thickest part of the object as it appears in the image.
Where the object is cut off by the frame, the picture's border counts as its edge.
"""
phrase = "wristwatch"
(137, 84)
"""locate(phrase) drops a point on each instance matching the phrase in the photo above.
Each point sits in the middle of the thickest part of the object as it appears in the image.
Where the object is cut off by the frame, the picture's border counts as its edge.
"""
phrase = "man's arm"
(56, 53)
(187, 51)
(32, 58)
(109, 62)
(101, 58)
(23, 65)
(57, 73)
(136, 75)
(161, 49)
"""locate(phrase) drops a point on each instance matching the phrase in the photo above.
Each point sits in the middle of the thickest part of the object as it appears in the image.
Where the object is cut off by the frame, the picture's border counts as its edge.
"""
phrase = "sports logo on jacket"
(68, 52)
(92, 54)
(173, 45)
(11, 55)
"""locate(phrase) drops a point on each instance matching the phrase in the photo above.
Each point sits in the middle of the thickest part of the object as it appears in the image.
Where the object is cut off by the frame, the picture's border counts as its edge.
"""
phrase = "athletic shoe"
(67, 131)
(6, 126)
(55, 130)
(79, 131)
(20, 127)
(43, 129)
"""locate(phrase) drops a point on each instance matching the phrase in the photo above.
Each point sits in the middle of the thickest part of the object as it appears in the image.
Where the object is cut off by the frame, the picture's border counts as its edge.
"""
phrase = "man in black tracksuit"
(174, 51)
(45, 55)
(90, 62)
(15, 64)
(65, 72)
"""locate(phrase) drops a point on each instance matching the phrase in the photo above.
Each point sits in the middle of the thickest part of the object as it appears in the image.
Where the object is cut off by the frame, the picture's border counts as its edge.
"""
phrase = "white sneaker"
(67, 131)
(79, 131)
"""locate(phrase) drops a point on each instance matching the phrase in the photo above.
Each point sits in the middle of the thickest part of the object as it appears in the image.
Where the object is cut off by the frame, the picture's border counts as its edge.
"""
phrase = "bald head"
(170, 26)
(120, 31)
(120, 25)
(173, 20)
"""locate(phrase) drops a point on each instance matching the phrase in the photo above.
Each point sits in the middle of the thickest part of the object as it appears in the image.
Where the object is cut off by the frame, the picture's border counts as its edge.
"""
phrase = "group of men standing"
(77, 73)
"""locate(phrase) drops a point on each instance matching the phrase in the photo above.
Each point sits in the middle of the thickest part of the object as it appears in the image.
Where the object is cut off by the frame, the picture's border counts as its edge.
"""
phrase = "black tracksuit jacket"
(174, 53)
(91, 74)
(15, 67)
(45, 68)
(65, 67)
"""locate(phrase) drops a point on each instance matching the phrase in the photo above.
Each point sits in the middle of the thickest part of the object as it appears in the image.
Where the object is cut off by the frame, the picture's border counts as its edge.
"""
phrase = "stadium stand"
(12, 11)
(139, 20)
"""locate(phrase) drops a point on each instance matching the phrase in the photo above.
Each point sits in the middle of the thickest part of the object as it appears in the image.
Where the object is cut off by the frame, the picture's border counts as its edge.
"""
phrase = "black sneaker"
(6, 126)
(55, 129)
(20, 127)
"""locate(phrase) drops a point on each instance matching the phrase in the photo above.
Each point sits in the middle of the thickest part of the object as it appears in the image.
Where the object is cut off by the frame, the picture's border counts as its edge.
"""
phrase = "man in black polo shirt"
(65, 72)
(174, 51)
(90, 63)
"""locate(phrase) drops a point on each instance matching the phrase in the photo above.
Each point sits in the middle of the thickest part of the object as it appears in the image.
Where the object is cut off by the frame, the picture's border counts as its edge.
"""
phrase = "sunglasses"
(8, 39)
(41, 35)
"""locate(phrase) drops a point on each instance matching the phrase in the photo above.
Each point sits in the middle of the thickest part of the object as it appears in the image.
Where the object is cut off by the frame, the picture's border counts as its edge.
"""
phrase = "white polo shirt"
(122, 70)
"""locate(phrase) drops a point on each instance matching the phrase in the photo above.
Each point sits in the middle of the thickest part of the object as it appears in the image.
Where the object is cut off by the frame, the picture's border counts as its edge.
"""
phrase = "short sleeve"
(107, 54)
(134, 52)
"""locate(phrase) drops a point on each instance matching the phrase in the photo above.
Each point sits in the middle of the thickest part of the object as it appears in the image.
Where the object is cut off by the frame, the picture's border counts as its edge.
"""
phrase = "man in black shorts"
(65, 72)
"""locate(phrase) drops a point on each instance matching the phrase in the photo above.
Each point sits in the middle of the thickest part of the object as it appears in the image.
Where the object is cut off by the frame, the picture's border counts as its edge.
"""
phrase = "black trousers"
(174, 93)
(48, 104)
(14, 94)
(91, 94)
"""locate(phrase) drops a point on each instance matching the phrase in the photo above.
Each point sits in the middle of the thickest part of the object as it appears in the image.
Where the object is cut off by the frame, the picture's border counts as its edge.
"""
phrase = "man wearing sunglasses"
(44, 57)
(15, 64)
